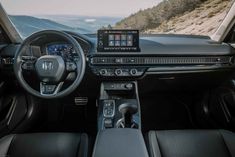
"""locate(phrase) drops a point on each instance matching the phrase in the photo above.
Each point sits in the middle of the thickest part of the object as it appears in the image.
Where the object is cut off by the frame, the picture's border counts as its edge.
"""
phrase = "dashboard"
(157, 55)
(107, 57)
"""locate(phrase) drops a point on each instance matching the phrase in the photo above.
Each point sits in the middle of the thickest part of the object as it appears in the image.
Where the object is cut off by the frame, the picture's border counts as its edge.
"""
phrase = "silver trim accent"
(81, 101)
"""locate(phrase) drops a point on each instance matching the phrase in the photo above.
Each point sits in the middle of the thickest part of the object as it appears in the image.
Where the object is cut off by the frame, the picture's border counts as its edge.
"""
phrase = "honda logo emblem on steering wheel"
(47, 65)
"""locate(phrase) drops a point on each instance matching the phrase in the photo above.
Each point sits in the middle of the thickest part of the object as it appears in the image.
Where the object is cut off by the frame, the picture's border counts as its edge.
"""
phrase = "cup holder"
(120, 124)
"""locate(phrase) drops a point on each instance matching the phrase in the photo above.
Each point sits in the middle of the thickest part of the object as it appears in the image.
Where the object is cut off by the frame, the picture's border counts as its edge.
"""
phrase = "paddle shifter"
(128, 110)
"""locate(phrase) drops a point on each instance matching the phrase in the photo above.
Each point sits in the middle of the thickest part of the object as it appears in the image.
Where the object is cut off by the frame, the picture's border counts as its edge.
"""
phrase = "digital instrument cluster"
(64, 50)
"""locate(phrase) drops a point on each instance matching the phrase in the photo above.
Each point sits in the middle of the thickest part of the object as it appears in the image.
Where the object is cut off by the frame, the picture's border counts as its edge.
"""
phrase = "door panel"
(13, 109)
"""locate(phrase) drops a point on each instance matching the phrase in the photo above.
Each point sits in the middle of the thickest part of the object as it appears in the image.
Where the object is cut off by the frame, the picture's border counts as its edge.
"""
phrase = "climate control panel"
(118, 71)
(111, 66)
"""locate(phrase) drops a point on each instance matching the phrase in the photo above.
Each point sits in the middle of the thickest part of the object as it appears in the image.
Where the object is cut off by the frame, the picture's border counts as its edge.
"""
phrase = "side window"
(3, 37)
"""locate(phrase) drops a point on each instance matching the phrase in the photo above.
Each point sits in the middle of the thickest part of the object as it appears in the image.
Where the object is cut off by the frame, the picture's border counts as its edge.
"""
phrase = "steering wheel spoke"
(50, 89)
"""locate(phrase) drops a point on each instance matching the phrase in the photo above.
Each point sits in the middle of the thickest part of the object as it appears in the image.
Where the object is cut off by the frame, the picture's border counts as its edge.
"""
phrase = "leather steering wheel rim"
(80, 70)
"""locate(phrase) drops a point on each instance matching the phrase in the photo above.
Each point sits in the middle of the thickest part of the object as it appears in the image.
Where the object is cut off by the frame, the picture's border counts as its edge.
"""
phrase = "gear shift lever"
(128, 110)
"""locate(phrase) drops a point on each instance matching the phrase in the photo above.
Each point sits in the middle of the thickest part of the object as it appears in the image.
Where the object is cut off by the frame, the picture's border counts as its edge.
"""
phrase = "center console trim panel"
(120, 143)
(106, 95)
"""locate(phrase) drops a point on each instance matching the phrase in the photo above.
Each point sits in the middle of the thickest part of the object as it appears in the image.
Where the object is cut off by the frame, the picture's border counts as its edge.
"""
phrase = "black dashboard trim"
(172, 46)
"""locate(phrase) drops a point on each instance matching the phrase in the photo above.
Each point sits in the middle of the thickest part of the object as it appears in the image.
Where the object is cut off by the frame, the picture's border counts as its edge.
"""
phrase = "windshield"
(197, 17)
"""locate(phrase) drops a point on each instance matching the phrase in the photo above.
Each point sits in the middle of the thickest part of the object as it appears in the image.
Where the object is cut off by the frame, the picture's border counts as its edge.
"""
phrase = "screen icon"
(123, 37)
(117, 43)
(111, 37)
(111, 43)
(117, 37)
(129, 43)
(123, 43)
(129, 37)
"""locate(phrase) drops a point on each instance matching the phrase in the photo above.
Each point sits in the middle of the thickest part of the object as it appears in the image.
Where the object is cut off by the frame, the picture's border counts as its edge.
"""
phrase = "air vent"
(187, 60)
(7, 61)
(160, 60)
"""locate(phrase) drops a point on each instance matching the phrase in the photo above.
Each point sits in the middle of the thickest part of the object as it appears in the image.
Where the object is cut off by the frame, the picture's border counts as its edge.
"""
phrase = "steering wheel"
(51, 70)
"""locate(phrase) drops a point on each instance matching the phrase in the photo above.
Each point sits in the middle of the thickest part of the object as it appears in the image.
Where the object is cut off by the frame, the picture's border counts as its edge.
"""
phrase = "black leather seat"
(191, 143)
(44, 145)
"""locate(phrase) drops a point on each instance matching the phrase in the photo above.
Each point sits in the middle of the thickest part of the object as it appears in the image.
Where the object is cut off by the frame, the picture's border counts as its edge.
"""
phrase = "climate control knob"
(118, 72)
(103, 72)
(133, 72)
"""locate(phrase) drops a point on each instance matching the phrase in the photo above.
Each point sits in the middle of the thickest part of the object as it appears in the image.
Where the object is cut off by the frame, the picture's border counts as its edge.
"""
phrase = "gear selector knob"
(128, 107)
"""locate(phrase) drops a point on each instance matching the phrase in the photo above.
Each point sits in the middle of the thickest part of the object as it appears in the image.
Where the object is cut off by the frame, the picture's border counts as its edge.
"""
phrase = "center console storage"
(118, 105)
(120, 143)
(119, 121)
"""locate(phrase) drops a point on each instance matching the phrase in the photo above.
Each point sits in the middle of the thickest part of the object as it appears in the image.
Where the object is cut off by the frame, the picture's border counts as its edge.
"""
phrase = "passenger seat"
(191, 143)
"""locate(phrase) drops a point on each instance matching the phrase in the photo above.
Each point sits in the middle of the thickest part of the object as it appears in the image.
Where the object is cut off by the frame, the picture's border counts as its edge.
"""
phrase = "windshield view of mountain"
(198, 17)
(81, 24)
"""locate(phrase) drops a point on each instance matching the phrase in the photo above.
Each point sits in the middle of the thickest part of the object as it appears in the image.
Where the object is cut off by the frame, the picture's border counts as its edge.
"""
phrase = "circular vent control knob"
(103, 72)
(133, 72)
(118, 72)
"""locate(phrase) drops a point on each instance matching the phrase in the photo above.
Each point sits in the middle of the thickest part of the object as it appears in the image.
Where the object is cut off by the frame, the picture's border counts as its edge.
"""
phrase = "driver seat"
(44, 145)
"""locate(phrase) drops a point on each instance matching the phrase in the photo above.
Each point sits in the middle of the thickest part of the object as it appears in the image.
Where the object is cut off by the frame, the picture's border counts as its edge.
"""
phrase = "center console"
(119, 121)
(118, 105)
(120, 143)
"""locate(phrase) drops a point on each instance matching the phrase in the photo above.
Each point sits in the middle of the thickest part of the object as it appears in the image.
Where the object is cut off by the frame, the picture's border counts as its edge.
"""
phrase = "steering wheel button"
(70, 66)
(48, 89)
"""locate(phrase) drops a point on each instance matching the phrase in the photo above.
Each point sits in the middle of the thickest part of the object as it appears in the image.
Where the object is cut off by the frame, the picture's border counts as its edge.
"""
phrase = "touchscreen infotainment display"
(118, 41)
